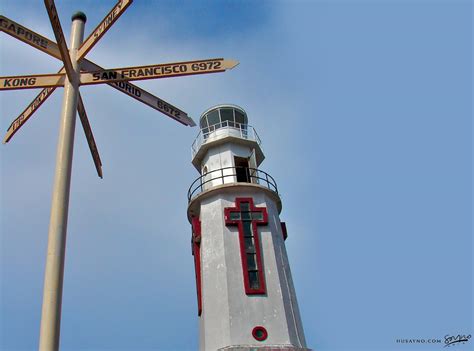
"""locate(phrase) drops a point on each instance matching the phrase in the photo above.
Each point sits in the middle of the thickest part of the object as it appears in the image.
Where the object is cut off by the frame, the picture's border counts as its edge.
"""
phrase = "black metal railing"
(238, 175)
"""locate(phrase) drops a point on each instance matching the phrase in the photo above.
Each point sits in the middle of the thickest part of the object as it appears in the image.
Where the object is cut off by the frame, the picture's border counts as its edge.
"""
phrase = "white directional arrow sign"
(32, 81)
(165, 70)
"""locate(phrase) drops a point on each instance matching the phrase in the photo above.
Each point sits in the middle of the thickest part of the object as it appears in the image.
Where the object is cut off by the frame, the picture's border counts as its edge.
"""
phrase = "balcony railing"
(225, 128)
(229, 175)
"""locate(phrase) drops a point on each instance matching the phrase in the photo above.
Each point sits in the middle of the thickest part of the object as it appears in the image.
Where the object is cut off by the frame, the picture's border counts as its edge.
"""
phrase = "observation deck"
(231, 175)
(231, 179)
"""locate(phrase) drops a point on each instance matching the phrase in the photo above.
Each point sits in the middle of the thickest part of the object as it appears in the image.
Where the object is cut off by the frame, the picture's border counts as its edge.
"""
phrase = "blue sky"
(364, 109)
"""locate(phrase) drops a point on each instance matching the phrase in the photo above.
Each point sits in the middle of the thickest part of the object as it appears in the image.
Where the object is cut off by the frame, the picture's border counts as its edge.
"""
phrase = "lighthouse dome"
(222, 116)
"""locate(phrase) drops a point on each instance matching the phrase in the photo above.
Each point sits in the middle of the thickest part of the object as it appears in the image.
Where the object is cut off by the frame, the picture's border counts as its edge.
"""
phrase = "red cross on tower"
(246, 217)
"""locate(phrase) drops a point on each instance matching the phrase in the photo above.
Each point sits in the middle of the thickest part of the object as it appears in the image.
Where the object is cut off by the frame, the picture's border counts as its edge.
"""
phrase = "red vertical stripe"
(283, 229)
(197, 259)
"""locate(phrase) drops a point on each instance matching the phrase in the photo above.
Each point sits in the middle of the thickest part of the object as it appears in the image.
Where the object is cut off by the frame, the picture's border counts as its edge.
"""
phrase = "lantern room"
(222, 126)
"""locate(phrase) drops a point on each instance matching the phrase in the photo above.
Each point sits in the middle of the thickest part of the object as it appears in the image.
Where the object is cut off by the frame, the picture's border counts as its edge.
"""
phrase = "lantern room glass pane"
(257, 215)
(204, 123)
(213, 117)
(239, 117)
(227, 114)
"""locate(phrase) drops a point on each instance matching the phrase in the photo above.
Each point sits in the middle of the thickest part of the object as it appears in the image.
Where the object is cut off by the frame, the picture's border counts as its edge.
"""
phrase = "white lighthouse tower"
(246, 297)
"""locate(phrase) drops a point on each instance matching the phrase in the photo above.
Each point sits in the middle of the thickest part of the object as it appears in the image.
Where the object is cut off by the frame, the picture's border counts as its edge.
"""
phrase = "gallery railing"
(229, 175)
(226, 128)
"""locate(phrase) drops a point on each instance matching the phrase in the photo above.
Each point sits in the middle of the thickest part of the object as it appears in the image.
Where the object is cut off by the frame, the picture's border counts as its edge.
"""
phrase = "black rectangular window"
(253, 280)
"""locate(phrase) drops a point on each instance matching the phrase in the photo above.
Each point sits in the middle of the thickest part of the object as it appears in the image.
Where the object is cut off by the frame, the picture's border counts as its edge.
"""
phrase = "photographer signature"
(450, 340)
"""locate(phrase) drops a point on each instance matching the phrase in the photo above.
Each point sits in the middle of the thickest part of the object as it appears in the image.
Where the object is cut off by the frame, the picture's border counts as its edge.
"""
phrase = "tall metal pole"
(54, 271)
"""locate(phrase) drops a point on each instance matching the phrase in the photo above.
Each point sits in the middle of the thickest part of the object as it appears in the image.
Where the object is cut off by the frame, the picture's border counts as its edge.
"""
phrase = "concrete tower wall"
(228, 314)
(219, 157)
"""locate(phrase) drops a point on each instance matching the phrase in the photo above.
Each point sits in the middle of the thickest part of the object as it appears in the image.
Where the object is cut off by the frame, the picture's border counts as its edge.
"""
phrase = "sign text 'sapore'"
(30, 37)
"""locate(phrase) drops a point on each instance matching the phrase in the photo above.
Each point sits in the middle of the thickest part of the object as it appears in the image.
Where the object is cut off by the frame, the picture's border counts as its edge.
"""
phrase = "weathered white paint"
(228, 314)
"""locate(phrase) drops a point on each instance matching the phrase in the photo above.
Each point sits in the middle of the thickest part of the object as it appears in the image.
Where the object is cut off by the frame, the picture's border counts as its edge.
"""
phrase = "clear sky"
(364, 109)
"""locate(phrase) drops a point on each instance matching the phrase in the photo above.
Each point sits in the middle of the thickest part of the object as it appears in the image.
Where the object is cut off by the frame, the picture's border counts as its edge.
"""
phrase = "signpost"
(42, 43)
(54, 269)
(71, 78)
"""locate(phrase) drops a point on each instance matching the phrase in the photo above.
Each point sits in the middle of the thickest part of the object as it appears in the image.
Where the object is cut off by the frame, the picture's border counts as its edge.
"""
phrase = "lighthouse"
(246, 299)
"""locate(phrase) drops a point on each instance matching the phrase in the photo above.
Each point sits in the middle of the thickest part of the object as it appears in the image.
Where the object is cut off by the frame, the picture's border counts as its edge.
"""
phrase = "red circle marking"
(259, 333)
